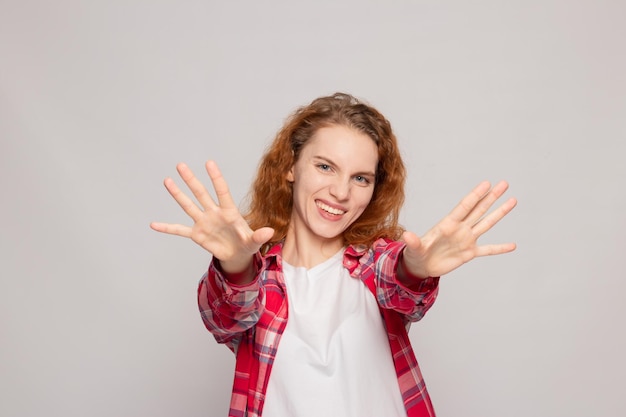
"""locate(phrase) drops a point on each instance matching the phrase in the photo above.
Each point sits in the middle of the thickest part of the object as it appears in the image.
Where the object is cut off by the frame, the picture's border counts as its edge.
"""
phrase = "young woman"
(315, 287)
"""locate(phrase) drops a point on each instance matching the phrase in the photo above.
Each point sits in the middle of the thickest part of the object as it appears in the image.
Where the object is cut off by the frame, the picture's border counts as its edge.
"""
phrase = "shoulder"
(379, 246)
(360, 258)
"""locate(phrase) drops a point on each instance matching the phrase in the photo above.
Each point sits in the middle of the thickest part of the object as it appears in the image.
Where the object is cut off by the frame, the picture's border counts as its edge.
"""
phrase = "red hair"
(271, 197)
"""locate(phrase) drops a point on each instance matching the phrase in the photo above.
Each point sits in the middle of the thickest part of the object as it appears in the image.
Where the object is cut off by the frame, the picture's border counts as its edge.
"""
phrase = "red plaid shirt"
(250, 320)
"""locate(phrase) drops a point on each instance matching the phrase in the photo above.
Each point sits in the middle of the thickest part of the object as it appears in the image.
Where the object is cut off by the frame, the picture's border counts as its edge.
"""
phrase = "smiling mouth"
(329, 209)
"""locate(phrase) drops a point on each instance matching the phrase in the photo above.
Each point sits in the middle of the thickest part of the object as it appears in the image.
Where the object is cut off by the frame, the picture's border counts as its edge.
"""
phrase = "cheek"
(365, 198)
(308, 184)
(303, 189)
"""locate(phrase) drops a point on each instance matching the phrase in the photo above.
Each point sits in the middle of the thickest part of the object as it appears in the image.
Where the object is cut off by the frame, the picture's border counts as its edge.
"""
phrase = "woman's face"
(333, 182)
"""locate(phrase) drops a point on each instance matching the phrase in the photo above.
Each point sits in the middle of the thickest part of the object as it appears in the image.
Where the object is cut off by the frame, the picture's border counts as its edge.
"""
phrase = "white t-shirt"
(333, 358)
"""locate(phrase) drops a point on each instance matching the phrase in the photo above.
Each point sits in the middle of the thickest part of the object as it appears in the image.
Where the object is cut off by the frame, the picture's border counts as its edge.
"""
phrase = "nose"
(340, 189)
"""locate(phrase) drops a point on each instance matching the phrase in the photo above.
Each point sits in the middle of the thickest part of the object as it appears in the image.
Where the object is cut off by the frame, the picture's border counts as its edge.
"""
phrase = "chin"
(331, 234)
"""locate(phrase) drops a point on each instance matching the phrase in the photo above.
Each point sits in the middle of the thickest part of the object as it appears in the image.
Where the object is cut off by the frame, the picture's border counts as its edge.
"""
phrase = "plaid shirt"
(250, 320)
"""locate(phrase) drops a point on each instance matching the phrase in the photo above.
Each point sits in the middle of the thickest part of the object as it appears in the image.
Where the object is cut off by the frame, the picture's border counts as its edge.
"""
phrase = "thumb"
(413, 242)
(262, 235)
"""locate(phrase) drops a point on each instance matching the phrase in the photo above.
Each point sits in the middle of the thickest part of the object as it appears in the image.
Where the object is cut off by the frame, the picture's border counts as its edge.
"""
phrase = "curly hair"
(271, 196)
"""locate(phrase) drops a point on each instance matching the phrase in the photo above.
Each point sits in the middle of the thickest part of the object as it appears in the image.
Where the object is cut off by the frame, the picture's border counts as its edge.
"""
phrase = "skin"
(329, 178)
(333, 182)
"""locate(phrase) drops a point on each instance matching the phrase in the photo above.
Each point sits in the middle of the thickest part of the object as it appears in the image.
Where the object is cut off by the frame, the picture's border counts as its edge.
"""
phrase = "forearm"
(406, 278)
(238, 272)
(227, 308)
(397, 289)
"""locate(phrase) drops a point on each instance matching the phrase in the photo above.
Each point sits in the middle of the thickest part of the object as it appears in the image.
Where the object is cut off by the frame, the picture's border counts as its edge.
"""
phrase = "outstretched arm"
(218, 226)
(453, 241)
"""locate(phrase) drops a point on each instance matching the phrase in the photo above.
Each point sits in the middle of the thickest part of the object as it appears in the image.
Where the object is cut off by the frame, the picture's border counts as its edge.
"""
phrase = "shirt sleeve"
(228, 310)
(413, 303)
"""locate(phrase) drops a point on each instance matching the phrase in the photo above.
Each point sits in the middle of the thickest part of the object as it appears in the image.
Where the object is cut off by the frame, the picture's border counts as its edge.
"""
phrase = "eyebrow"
(331, 162)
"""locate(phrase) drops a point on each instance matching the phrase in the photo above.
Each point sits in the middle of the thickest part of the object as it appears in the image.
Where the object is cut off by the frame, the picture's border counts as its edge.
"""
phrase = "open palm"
(453, 241)
(218, 226)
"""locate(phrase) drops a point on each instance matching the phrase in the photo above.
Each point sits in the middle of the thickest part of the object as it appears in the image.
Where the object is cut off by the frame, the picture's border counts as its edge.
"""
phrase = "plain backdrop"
(99, 100)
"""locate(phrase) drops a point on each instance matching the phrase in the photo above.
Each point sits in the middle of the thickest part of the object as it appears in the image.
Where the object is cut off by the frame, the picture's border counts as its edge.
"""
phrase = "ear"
(290, 177)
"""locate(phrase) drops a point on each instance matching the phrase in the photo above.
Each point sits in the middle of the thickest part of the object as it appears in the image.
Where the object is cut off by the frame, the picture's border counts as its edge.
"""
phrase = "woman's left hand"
(453, 241)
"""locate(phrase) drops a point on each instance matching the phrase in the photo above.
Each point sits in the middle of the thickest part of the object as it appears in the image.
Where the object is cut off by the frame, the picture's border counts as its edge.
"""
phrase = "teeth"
(329, 209)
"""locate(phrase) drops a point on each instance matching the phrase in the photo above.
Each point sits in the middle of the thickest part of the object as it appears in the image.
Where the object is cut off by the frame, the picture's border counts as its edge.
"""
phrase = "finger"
(171, 229)
(468, 203)
(494, 217)
(220, 186)
(181, 198)
(496, 249)
(262, 235)
(196, 187)
(413, 242)
(486, 202)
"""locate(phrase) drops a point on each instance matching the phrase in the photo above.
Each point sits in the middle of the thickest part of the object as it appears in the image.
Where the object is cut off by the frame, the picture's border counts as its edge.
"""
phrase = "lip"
(330, 211)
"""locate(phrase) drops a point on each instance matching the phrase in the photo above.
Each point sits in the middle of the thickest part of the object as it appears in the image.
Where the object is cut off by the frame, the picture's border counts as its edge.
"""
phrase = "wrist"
(237, 274)
(406, 277)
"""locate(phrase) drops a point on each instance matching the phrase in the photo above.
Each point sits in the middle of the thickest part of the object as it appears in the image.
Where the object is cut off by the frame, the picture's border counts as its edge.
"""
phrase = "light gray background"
(99, 100)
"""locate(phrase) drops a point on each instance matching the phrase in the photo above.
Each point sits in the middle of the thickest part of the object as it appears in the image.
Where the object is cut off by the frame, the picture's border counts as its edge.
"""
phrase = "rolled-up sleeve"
(228, 310)
(413, 303)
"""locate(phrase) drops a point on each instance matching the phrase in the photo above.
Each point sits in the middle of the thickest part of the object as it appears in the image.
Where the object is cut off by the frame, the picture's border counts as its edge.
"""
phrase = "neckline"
(322, 265)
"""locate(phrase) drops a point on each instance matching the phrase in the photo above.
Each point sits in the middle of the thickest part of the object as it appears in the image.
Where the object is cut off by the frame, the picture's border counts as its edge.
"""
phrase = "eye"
(324, 167)
(362, 180)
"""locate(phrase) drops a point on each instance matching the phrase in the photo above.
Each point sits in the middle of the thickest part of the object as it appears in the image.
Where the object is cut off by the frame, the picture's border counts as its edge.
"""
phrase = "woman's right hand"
(217, 227)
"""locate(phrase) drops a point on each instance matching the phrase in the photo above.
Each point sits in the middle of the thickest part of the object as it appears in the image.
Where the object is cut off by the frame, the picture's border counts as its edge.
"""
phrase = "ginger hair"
(271, 197)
